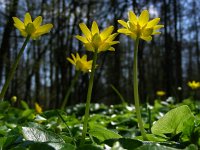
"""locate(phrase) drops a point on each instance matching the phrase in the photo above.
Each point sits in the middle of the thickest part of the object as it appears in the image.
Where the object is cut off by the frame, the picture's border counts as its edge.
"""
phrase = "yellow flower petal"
(147, 32)
(143, 18)
(157, 27)
(111, 37)
(132, 17)
(85, 31)
(111, 49)
(153, 22)
(106, 33)
(81, 38)
(84, 58)
(71, 61)
(124, 31)
(77, 56)
(94, 28)
(131, 27)
(18, 23)
(44, 29)
(148, 38)
(27, 19)
(23, 33)
(103, 47)
(74, 58)
(123, 23)
(113, 42)
(133, 36)
(38, 108)
(89, 47)
(37, 22)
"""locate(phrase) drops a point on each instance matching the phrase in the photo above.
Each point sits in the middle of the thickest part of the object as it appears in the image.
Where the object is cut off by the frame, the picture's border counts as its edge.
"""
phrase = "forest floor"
(169, 126)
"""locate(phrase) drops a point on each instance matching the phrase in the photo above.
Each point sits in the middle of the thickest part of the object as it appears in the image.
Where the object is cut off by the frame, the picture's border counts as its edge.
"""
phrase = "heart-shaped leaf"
(173, 122)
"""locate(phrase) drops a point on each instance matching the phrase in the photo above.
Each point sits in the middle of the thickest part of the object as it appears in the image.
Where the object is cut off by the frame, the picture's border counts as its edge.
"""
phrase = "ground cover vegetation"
(167, 122)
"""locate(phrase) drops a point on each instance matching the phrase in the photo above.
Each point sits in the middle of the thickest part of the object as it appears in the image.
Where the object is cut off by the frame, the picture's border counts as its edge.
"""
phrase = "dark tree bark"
(5, 44)
(196, 29)
(168, 63)
(178, 54)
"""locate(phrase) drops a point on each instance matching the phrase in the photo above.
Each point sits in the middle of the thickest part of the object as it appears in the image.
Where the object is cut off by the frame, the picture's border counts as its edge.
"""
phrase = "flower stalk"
(89, 94)
(139, 28)
(135, 88)
(70, 89)
(13, 68)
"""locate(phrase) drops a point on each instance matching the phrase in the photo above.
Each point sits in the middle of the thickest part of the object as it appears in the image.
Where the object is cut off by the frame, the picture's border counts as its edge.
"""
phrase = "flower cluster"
(140, 27)
(94, 40)
(31, 28)
(81, 63)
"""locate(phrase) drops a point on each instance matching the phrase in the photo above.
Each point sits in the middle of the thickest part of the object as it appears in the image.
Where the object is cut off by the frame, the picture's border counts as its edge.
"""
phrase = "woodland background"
(169, 61)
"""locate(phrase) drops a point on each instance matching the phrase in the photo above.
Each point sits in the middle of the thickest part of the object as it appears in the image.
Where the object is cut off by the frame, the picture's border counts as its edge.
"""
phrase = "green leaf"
(24, 104)
(4, 105)
(126, 143)
(102, 133)
(173, 122)
(191, 147)
(50, 140)
(41, 146)
(5, 142)
(2, 142)
(89, 147)
(68, 146)
(18, 148)
(152, 137)
(38, 135)
(62, 146)
(155, 147)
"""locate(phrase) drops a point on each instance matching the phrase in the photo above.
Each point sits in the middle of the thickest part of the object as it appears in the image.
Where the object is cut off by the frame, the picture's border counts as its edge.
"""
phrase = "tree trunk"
(5, 44)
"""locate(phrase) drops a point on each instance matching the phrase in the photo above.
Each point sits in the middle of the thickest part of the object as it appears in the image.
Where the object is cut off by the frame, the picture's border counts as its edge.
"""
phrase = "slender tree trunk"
(167, 56)
(178, 54)
(5, 44)
(196, 29)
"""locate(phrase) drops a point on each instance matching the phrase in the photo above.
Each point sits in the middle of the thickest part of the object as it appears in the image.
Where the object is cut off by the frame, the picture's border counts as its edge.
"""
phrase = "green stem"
(136, 94)
(13, 68)
(69, 90)
(89, 93)
(118, 94)
(70, 133)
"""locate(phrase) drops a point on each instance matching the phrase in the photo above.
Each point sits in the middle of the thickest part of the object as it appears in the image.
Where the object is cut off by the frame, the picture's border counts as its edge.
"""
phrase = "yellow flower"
(94, 40)
(32, 28)
(81, 63)
(160, 93)
(140, 26)
(194, 85)
(38, 108)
